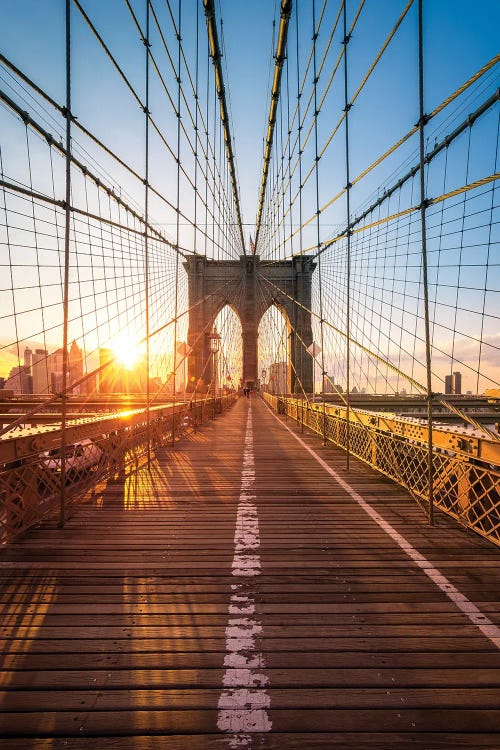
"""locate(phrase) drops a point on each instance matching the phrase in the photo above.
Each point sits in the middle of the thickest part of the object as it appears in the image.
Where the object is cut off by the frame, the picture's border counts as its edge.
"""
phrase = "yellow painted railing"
(466, 464)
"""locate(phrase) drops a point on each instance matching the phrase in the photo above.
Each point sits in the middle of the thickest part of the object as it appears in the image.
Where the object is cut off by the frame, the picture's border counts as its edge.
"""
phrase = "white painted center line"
(470, 610)
(244, 702)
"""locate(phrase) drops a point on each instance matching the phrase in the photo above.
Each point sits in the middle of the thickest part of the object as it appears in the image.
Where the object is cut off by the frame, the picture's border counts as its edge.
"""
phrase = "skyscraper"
(41, 374)
(26, 376)
(14, 380)
(55, 368)
(76, 367)
(453, 383)
(28, 359)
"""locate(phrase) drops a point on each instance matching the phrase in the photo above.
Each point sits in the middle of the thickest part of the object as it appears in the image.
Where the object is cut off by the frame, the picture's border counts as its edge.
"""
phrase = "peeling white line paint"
(472, 612)
(244, 703)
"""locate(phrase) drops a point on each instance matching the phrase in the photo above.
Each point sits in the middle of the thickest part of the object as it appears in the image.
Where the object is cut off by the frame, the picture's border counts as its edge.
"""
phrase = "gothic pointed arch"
(250, 287)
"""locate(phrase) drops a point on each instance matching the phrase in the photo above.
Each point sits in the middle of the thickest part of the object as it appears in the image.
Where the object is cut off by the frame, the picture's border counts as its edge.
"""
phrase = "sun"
(126, 351)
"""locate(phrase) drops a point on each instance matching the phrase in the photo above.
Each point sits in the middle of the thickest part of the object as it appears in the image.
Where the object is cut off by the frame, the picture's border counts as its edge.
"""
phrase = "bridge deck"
(141, 618)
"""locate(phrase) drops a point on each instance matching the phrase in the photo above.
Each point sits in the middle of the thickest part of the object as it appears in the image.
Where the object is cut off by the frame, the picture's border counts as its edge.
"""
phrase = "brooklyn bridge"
(249, 374)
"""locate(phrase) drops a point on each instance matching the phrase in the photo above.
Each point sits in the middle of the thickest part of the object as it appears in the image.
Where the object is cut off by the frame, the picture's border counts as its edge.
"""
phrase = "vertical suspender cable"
(62, 511)
(178, 205)
(196, 131)
(423, 205)
(318, 213)
(195, 218)
(297, 344)
(347, 105)
(303, 353)
(146, 241)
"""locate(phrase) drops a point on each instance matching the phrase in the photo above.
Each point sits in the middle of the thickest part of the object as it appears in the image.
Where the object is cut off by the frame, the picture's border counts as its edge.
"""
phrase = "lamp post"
(214, 340)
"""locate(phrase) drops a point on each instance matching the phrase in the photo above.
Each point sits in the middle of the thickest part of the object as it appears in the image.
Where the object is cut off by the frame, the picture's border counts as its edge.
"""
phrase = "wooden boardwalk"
(149, 622)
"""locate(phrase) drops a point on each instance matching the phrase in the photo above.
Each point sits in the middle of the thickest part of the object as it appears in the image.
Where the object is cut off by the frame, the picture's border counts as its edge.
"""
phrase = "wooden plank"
(166, 721)
(271, 741)
(341, 677)
(284, 660)
(102, 698)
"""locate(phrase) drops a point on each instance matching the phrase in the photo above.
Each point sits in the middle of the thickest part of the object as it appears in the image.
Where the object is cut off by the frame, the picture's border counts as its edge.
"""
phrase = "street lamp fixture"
(214, 342)
(214, 338)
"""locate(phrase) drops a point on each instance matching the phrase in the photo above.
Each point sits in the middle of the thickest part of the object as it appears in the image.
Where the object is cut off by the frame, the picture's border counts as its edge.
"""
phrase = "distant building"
(75, 366)
(19, 378)
(57, 382)
(330, 386)
(453, 384)
(56, 360)
(278, 379)
(90, 385)
(26, 382)
(14, 380)
(28, 360)
(26, 376)
(55, 363)
(41, 372)
(106, 379)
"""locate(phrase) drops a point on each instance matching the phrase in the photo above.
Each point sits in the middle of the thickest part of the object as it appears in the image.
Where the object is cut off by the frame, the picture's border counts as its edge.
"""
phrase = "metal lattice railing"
(37, 476)
(466, 473)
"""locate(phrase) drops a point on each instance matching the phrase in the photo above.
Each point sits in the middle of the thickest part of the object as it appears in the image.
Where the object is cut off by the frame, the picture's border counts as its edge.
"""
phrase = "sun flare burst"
(126, 351)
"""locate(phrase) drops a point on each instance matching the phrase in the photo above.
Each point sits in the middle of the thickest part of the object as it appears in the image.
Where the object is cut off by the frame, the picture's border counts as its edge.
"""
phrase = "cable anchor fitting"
(422, 121)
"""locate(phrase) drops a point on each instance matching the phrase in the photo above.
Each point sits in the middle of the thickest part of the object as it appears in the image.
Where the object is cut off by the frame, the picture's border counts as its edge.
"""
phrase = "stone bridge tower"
(250, 286)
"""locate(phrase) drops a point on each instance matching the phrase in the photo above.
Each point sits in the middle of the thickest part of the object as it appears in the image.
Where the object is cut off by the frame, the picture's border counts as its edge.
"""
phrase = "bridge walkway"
(242, 595)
